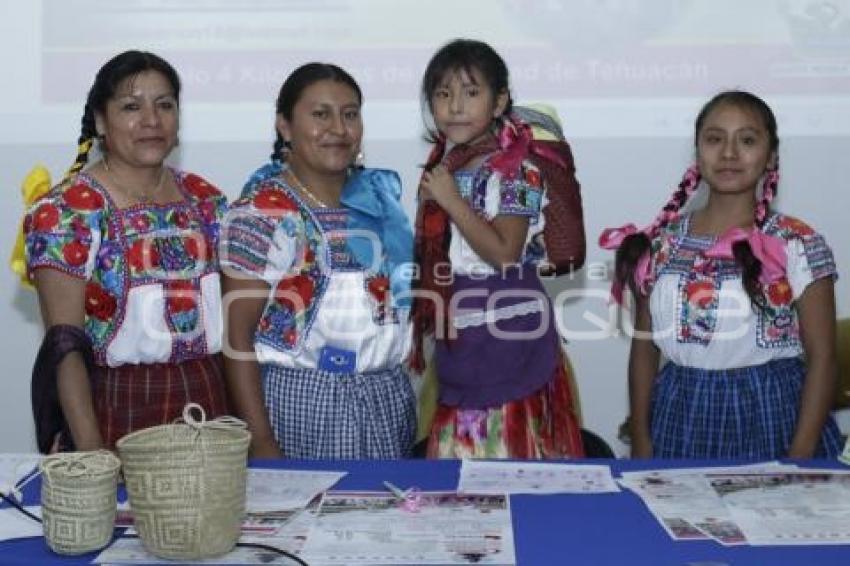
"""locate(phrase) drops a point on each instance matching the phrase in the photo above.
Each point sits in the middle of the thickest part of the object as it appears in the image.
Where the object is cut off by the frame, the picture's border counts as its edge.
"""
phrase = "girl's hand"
(438, 184)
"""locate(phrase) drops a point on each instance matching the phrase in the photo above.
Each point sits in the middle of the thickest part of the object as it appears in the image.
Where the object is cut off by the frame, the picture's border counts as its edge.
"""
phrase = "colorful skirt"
(748, 412)
(542, 425)
(133, 397)
(321, 415)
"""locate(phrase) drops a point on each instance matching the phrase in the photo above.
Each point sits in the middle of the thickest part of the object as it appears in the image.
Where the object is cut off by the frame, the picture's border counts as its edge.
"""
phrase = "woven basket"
(186, 483)
(78, 500)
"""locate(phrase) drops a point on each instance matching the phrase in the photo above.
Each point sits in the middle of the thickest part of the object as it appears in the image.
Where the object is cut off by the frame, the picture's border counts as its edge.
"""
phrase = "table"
(594, 529)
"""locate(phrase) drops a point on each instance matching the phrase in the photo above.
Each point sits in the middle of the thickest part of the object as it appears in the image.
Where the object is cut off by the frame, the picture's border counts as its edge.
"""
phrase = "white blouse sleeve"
(809, 259)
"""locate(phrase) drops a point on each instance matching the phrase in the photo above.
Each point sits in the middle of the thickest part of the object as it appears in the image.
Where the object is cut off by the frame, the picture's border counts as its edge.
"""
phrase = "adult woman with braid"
(314, 258)
(123, 256)
(739, 300)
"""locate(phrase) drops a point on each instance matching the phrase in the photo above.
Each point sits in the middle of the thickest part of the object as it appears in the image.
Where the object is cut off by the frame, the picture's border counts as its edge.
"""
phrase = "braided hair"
(110, 75)
(635, 245)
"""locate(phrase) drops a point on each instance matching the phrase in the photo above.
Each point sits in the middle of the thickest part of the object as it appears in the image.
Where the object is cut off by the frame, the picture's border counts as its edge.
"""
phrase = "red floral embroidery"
(207, 210)
(798, 227)
(81, 230)
(143, 255)
(199, 188)
(45, 218)
(700, 293)
(532, 177)
(75, 253)
(380, 287)
(82, 197)
(289, 337)
(309, 255)
(274, 202)
(140, 223)
(779, 292)
(295, 292)
(99, 304)
(181, 219)
(180, 297)
(196, 246)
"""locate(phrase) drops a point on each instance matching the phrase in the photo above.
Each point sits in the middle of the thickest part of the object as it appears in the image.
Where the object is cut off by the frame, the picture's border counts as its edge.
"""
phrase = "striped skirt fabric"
(132, 397)
(748, 412)
(322, 415)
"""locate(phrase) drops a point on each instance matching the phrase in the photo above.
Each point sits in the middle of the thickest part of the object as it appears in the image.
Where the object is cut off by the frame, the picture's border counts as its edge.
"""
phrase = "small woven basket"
(186, 483)
(78, 500)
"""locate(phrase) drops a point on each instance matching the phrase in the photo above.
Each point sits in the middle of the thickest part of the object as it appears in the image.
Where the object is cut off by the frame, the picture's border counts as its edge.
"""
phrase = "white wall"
(627, 77)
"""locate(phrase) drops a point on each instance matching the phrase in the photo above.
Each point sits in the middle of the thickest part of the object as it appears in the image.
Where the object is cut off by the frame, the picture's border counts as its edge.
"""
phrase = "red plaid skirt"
(132, 397)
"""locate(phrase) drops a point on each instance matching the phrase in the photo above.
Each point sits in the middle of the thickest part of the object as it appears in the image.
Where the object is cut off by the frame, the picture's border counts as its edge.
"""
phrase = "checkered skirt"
(748, 412)
(321, 415)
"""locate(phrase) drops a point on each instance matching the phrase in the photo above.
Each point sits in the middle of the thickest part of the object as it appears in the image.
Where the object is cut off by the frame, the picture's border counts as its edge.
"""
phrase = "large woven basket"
(78, 500)
(186, 483)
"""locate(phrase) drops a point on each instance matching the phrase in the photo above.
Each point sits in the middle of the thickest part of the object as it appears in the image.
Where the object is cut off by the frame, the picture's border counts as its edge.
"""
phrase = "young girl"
(503, 390)
(738, 298)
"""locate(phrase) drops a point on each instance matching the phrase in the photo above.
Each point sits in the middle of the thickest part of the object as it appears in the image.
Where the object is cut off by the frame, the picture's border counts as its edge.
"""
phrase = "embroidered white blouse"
(701, 315)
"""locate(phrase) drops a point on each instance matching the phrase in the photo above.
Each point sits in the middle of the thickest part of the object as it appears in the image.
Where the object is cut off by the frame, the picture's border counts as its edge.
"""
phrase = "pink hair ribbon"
(769, 250)
(611, 239)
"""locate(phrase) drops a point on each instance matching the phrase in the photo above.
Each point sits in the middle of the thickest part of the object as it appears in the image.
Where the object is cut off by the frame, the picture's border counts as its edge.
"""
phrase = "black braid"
(88, 131)
(626, 259)
(749, 263)
(277, 152)
(635, 245)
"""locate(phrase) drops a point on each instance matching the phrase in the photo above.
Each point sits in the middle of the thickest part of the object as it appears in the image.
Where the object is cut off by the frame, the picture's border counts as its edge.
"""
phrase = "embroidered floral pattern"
(778, 321)
(294, 301)
(698, 315)
(181, 304)
(83, 197)
(378, 287)
(45, 218)
(99, 303)
(168, 244)
(675, 251)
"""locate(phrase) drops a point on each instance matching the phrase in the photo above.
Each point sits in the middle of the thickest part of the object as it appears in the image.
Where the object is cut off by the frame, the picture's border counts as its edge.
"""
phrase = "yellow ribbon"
(36, 184)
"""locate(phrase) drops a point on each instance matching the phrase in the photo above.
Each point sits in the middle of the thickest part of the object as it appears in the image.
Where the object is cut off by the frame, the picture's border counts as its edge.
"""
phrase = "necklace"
(319, 203)
(144, 195)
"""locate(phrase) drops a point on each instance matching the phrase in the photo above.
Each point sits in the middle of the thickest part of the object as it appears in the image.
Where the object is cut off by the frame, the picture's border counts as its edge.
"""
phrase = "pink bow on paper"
(612, 239)
(769, 250)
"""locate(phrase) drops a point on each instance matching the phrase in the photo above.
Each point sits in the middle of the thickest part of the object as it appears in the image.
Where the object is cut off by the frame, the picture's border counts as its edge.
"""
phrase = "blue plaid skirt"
(321, 415)
(748, 412)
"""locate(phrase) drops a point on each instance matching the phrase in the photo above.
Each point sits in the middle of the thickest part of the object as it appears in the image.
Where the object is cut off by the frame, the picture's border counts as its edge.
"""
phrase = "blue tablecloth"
(612, 528)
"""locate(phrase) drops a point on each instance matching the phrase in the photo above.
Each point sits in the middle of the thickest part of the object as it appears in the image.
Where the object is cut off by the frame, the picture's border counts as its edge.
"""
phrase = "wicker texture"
(186, 483)
(78, 500)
